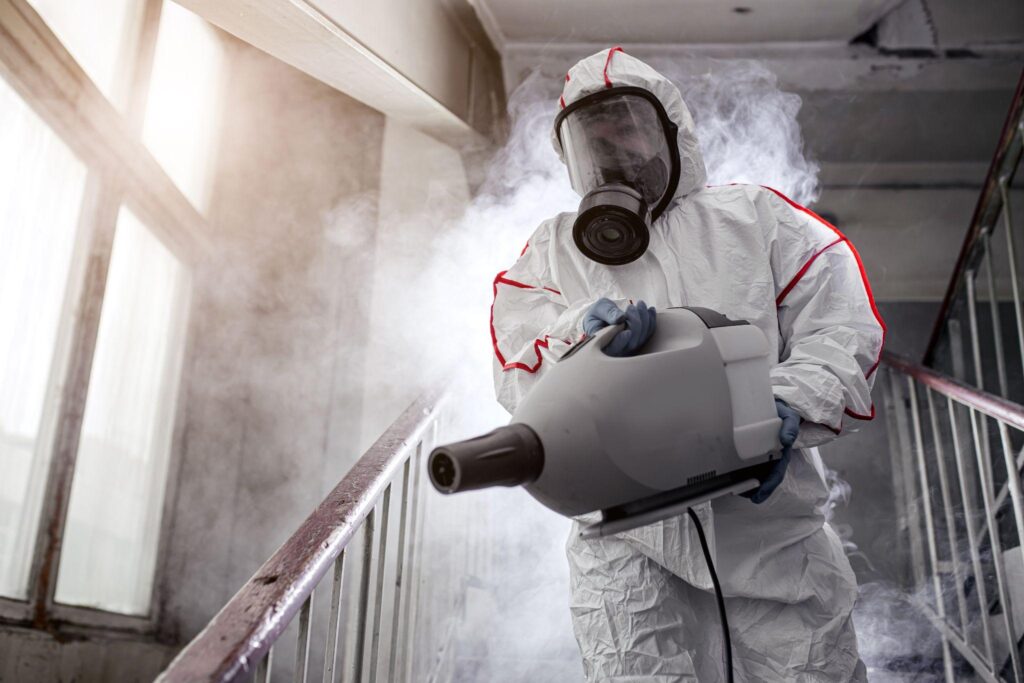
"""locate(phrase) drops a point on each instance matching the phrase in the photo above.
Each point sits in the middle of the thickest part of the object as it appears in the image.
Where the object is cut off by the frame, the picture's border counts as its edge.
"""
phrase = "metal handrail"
(238, 639)
(985, 213)
(991, 405)
(962, 461)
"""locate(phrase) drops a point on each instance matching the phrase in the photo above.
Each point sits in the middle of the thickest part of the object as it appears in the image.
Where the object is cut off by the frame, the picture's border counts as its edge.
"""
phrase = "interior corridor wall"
(423, 192)
(280, 323)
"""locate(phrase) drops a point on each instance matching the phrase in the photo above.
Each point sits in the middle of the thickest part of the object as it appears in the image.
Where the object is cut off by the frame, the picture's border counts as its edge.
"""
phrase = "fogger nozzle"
(508, 456)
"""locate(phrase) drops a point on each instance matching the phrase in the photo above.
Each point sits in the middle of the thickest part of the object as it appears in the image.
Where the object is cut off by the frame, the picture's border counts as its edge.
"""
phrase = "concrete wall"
(273, 388)
(36, 657)
(415, 208)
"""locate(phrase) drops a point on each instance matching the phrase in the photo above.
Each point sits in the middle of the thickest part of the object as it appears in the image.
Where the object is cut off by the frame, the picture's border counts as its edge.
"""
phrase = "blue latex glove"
(639, 320)
(603, 313)
(787, 437)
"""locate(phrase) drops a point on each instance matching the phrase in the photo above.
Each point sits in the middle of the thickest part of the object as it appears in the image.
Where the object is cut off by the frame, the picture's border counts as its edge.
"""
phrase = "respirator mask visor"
(620, 148)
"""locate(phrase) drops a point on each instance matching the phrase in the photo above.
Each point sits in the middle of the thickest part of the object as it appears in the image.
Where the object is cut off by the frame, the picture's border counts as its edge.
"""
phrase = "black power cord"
(718, 593)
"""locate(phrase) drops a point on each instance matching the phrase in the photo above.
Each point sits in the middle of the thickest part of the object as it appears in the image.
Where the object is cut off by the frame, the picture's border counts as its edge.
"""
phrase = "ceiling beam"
(425, 70)
(804, 67)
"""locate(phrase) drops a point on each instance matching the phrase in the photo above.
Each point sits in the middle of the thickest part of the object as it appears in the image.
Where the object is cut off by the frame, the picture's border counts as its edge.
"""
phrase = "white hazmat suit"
(642, 606)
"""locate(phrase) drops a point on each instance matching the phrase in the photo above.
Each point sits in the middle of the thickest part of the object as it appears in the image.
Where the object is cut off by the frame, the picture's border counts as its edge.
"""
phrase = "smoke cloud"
(746, 125)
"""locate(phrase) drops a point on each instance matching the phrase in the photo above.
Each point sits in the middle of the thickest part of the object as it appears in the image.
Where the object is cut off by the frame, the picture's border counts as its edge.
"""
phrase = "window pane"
(181, 115)
(41, 185)
(99, 34)
(113, 525)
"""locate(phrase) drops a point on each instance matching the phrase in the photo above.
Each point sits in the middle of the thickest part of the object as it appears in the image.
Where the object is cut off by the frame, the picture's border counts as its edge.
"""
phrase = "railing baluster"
(947, 506)
(1004, 489)
(972, 321)
(895, 446)
(416, 557)
(956, 349)
(997, 322)
(302, 643)
(1011, 253)
(408, 653)
(906, 469)
(396, 611)
(1013, 482)
(359, 628)
(933, 554)
(378, 599)
(972, 542)
(979, 378)
(334, 624)
(985, 475)
(263, 668)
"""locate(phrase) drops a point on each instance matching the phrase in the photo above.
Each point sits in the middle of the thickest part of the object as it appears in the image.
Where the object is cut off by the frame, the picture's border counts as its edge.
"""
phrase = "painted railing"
(368, 635)
(957, 459)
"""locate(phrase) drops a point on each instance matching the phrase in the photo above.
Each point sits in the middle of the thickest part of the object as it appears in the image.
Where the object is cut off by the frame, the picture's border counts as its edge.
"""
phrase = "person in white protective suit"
(641, 603)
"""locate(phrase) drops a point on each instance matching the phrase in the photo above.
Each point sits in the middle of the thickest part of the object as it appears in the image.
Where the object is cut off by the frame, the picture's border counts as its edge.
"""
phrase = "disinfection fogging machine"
(642, 438)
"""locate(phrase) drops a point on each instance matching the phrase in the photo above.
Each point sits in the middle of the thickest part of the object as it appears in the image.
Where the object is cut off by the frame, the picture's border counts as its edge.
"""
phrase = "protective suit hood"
(613, 67)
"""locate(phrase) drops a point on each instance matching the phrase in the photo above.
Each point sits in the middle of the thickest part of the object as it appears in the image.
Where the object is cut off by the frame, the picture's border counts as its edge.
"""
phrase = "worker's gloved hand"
(603, 313)
(787, 437)
(639, 320)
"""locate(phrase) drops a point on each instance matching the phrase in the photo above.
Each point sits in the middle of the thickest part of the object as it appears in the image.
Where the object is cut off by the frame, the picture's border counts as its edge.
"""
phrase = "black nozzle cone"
(508, 456)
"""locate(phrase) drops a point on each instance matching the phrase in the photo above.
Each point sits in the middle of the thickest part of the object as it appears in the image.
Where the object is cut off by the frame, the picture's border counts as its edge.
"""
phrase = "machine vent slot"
(697, 478)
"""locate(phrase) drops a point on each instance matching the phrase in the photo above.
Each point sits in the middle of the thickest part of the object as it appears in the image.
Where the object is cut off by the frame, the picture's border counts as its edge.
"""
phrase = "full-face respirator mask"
(620, 148)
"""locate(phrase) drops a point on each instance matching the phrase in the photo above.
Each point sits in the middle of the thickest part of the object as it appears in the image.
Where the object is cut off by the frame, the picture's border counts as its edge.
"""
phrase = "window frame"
(121, 171)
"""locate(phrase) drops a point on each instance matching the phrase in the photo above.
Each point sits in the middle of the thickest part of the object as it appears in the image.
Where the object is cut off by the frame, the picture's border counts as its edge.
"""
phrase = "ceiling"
(678, 21)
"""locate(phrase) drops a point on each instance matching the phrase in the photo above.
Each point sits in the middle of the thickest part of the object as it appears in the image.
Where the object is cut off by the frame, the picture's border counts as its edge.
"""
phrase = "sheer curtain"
(41, 186)
(113, 525)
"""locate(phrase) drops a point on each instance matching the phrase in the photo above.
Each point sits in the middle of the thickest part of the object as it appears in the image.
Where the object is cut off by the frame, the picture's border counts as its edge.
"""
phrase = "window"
(101, 36)
(181, 116)
(94, 296)
(113, 521)
(41, 186)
